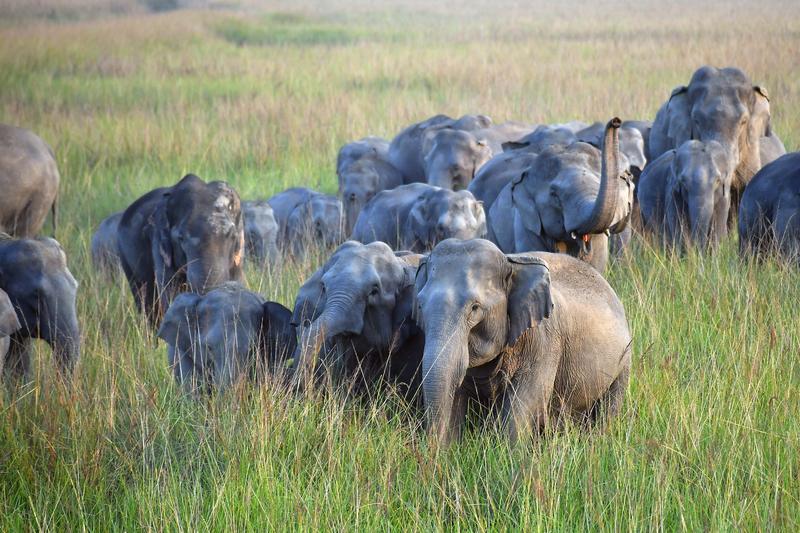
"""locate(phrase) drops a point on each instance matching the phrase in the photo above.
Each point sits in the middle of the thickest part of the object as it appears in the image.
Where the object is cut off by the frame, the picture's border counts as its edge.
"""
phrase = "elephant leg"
(610, 404)
(526, 404)
(18, 359)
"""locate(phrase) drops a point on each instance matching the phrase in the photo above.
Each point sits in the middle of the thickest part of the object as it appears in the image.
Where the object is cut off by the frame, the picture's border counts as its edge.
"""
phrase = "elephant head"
(360, 302)
(199, 235)
(698, 193)
(718, 105)
(454, 157)
(34, 274)
(9, 324)
(472, 302)
(217, 338)
(319, 220)
(260, 230)
(571, 193)
(440, 214)
(363, 179)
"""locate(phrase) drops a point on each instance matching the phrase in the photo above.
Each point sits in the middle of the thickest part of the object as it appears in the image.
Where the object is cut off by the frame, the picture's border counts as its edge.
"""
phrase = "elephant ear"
(297, 227)
(420, 279)
(679, 115)
(525, 203)
(418, 225)
(761, 113)
(403, 315)
(277, 330)
(8, 317)
(310, 301)
(529, 298)
(181, 315)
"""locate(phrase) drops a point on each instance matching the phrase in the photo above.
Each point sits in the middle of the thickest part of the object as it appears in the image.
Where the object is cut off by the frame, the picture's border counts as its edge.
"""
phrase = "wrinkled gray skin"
(353, 151)
(417, 216)
(8, 326)
(189, 237)
(406, 151)
(260, 231)
(631, 144)
(105, 255)
(230, 333)
(362, 177)
(684, 195)
(34, 275)
(28, 180)
(769, 215)
(355, 312)
(453, 157)
(566, 201)
(307, 218)
(542, 138)
(719, 105)
(537, 335)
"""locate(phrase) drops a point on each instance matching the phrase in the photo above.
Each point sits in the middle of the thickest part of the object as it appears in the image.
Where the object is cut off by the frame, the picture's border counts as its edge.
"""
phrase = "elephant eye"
(374, 291)
(322, 288)
(476, 307)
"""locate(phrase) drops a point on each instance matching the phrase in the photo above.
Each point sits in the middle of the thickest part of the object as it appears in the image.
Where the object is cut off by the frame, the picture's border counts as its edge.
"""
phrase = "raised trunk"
(605, 207)
(444, 365)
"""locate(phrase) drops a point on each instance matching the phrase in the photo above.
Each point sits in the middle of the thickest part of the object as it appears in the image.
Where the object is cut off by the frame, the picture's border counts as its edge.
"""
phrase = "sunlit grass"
(708, 436)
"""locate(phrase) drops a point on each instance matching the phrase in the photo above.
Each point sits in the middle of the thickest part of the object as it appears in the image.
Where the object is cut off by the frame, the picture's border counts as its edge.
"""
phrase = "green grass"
(708, 437)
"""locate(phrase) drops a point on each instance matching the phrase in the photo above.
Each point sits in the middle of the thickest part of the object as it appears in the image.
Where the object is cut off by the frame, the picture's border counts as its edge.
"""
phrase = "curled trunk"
(602, 215)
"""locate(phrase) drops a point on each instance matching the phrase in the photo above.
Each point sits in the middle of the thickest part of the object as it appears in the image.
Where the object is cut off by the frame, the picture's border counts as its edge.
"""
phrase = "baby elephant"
(684, 195)
(417, 216)
(41, 289)
(769, 215)
(260, 231)
(105, 255)
(306, 218)
(538, 335)
(229, 333)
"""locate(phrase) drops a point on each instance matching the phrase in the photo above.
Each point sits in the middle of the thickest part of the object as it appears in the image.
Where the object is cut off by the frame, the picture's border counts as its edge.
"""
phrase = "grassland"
(262, 96)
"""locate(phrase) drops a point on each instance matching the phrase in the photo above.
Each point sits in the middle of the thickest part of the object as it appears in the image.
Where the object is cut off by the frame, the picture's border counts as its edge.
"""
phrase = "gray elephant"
(769, 215)
(542, 138)
(355, 150)
(406, 151)
(105, 255)
(417, 216)
(34, 275)
(189, 237)
(684, 195)
(355, 312)
(227, 334)
(566, 201)
(770, 148)
(453, 157)
(631, 144)
(9, 324)
(719, 105)
(362, 177)
(29, 180)
(260, 230)
(306, 218)
(537, 335)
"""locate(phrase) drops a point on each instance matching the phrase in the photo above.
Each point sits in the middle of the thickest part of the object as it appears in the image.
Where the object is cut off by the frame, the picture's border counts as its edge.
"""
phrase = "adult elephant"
(769, 216)
(407, 149)
(28, 180)
(362, 177)
(684, 195)
(417, 216)
(453, 157)
(188, 237)
(566, 201)
(355, 311)
(42, 291)
(719, 105)
(538, 335)
(260, 231)
(305, 218)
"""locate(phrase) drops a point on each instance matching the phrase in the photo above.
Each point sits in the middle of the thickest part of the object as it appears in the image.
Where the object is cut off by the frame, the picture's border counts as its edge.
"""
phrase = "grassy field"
(262, 94)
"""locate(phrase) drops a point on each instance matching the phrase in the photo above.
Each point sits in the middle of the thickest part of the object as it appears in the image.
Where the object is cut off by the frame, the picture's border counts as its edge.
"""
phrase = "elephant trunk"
(444, 366)
(701, 212)
(338, 318)
(602, 215)
(66, 344)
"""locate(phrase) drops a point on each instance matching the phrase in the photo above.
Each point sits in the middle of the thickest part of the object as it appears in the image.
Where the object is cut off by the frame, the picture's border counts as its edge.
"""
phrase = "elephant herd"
(465, 258)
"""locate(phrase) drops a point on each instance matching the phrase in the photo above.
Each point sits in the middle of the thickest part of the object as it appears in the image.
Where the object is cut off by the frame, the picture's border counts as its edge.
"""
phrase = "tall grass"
(708, 436)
